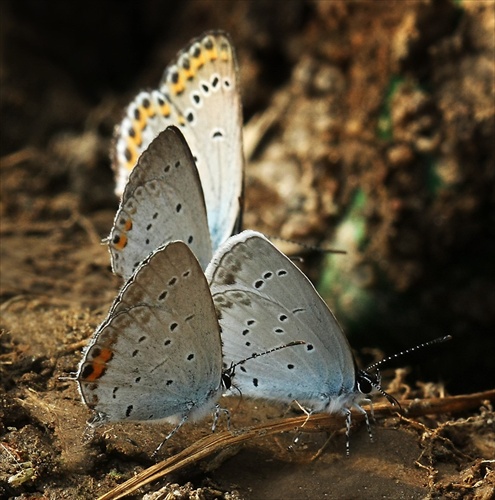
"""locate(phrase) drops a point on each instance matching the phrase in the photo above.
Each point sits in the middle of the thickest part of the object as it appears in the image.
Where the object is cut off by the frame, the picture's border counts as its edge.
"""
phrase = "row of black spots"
(161, 100)
(249, 322)
(261, 282)
(166, 168)
(127, 154)
(195, 50)
(196, 99)
(132, 133)
(173, 76)
(185, 62)
(207, 42)
(190, 116)
(278, 330)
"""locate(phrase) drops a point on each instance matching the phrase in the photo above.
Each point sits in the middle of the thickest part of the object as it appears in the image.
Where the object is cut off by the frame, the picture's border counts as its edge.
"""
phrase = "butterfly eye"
(365, 382)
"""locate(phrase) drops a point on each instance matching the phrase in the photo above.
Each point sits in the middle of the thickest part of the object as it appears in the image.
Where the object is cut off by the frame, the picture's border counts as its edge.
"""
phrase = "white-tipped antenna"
(229, 373)
(419, 346)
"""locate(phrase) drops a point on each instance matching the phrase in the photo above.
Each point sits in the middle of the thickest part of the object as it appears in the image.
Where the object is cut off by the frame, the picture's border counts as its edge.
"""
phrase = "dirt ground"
(369, 126)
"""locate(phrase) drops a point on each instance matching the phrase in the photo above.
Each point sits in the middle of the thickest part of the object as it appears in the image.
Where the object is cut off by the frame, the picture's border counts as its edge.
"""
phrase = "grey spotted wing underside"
(163, 201)
(158, 354)
(263, 300)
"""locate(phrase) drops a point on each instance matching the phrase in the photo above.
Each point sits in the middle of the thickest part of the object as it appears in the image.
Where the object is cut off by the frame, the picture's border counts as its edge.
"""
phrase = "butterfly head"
(367, 382)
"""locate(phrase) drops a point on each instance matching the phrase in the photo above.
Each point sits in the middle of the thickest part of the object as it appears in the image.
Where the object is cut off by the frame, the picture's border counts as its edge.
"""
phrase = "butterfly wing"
(203, 85)
(148, 114)
(263, 301)
(199, 93)
(158, 353)
(163, 201)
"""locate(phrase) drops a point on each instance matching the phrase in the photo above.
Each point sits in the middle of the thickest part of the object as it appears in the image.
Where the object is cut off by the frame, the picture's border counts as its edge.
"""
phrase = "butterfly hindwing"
(163, 201)
(264, 300)
(158, 354)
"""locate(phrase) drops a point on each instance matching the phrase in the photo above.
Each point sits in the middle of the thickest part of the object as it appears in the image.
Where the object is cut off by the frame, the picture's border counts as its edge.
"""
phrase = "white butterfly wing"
(263, 301)
(199, 93)
(203, 85)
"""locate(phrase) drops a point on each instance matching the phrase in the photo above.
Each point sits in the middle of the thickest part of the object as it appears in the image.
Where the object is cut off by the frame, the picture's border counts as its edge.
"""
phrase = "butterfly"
(158, 353)
(199, 94)
(262, 300)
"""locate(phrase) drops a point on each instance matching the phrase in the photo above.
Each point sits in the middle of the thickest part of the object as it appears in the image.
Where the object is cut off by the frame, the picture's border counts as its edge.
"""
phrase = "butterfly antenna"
(305, 246)
(407, 351)
(229, 373)
(258, 354)
(385, 394)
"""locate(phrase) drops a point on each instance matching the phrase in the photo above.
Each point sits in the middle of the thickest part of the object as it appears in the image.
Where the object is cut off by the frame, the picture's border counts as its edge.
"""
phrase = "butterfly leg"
(366, 418)
(216, 416)
(348, 422)
(308, 414)
(169, 435)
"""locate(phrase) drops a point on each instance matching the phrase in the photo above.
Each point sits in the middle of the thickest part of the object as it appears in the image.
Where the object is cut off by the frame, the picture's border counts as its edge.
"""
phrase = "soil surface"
(369, 127)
